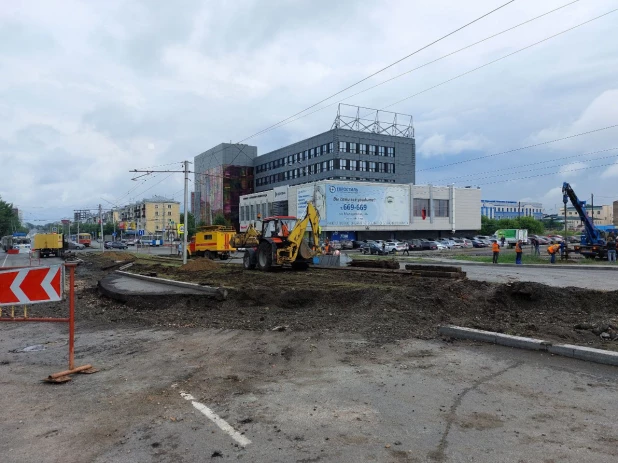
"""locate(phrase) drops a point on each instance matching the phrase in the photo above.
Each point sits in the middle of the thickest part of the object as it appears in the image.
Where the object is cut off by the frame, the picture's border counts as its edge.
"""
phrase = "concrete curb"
(221, 293)
(561, 267)
(567, 350)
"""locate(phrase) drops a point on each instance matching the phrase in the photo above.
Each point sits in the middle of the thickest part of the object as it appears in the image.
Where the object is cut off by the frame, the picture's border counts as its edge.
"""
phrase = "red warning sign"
(31, 285)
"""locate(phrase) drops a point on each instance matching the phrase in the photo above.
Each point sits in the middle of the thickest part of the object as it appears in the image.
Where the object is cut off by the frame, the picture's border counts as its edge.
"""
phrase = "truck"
(282, 243)
(212, 241)
(593, 240)
(50, 243)
(511, 236)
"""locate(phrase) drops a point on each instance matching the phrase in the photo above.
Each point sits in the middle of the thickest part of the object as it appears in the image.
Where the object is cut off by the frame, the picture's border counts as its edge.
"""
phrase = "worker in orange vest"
(518, 252)
(495, 247)
(552, 249)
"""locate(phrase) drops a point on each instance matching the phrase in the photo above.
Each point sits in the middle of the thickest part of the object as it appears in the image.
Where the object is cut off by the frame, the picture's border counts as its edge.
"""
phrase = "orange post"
(71, 267)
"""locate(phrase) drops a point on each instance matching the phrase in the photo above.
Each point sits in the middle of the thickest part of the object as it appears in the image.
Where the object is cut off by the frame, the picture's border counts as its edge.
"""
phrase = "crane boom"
(593, 235)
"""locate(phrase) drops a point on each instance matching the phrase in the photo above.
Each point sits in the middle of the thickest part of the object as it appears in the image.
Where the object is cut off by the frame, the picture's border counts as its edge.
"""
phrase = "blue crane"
(592, 236)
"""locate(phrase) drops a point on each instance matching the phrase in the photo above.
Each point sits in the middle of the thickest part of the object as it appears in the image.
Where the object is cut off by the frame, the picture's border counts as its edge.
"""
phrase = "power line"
(476, 174)
(421, 66)
(379, 71)
(517, 149)
(543, 168)
(500, 59)
(551, 173)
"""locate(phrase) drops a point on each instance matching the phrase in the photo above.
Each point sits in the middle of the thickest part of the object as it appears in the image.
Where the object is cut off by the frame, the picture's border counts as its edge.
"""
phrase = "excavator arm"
(295, 238)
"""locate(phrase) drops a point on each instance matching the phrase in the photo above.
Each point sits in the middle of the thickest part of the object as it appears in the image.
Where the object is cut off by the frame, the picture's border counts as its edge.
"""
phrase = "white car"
(441, 245)
(391, 246)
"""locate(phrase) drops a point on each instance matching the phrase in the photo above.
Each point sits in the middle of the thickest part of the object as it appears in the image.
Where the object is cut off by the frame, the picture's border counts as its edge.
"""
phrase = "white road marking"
(4, 263)
(223, 425)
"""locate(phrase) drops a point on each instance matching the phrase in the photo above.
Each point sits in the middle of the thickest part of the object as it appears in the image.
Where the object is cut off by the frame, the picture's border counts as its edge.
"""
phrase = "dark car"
(357, 244)
(478, 244)
(347, 244)
(118, 245)
(431, 245)
(373, 248)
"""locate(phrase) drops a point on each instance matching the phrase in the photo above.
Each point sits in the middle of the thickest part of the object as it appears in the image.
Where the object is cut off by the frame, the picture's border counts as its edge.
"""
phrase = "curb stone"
(220, 293)
(566, 350)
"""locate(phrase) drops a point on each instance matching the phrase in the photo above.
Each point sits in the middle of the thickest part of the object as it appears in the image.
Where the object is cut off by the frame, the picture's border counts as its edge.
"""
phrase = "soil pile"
(383, 307)
(198, 264)
(115, 255)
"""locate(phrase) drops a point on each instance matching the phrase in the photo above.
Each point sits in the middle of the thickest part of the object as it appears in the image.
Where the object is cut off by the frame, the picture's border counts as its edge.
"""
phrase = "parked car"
(357, 244)
(431, 245)
(441, 246)
(574, 239)
(107, 245)
(118, 245)
(555, 239)
(478, 244)
(347, 244)
(74, 245)
(485, 239)
(373, 248)
(415, 245)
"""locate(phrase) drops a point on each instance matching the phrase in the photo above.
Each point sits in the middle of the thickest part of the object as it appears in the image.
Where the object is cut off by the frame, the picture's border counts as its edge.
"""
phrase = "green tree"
(220, 220)
(488, 226)
(9, 222)
(191, 219)
(533, 226)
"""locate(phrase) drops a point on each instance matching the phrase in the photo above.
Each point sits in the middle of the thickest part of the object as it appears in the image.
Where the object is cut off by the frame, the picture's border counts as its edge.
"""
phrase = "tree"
(191, 219)
(488, 226)
(220, 220)
(9, 221)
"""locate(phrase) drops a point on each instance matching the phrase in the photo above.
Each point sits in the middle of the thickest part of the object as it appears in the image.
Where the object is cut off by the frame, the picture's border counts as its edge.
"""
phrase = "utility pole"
(184, 235)
(185, 171)
(592, 208)
(101, 222)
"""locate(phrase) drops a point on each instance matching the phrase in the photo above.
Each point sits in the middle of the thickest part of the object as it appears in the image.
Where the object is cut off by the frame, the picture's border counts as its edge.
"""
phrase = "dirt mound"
(198, 265)
(115, 255)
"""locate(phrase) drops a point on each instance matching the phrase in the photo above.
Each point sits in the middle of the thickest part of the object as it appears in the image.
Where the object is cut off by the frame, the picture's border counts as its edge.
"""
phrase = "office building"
(495, 209)
(369, 210)
(363, 145)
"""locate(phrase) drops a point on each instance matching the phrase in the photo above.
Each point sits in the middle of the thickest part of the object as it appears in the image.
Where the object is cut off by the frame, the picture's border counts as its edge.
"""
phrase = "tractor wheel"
(224, 255)
(300, 265)
(246, 261)
(265, 256)
(209, 255)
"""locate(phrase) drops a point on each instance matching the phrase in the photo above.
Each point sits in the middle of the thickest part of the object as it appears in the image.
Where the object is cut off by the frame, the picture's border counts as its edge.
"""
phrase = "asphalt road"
(291, 397)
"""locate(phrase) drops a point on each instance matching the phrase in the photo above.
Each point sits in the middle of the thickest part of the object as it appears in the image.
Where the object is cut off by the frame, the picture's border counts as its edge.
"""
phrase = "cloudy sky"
(91, 90)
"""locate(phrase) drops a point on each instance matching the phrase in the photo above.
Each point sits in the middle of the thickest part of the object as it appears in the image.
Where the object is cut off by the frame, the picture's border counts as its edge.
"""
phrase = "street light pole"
(186, 221)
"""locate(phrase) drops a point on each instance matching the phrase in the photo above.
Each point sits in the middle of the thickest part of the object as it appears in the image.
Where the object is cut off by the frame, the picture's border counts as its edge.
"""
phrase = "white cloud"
(600, 113)
(611, 171)
(572, 168)
(439, 145)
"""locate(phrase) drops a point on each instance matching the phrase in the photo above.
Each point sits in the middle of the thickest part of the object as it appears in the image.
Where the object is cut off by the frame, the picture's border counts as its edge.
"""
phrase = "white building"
(361, 210)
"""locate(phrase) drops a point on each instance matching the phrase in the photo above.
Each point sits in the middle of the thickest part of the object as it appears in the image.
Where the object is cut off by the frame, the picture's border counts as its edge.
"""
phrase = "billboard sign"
(364, 205)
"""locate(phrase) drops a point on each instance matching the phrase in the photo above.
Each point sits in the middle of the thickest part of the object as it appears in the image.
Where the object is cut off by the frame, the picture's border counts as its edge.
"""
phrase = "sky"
(92, 90)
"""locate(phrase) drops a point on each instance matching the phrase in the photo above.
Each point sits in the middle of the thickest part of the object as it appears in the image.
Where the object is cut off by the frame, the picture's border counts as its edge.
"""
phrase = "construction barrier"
(31, 285)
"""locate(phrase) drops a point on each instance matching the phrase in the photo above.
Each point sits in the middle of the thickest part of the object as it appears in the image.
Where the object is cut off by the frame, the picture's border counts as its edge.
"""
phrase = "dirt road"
(297, 396)
(320, 365)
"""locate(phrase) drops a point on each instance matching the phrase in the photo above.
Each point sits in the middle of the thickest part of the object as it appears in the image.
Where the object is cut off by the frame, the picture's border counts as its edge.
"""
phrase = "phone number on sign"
(353, 207)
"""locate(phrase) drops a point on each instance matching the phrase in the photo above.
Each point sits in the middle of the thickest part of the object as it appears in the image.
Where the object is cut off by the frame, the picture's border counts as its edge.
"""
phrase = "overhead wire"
(476, 174)
(423, 65)
(501, 58)
(380, 70)
(541, 168)
(551, 173)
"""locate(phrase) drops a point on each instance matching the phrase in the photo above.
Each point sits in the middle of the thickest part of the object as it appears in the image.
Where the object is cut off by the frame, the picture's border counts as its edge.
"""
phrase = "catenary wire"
(476, 174)
(501, 58)
(379, 71)
(536, 169)
(551, 173)
(421, 66)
